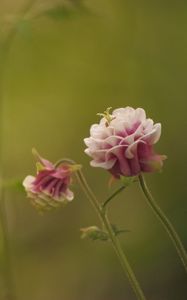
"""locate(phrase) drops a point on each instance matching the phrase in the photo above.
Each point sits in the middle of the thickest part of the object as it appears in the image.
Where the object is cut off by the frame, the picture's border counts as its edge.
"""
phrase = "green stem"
(6, 262)
(5, 45)
(115, 242)
(165, 222)
(104, 220)
(112, 196)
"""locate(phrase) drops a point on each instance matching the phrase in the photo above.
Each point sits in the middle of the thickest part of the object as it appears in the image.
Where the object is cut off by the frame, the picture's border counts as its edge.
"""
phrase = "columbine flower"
(50, 187)
(123, 141)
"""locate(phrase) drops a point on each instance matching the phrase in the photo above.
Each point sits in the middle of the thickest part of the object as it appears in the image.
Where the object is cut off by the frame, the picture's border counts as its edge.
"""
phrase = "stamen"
(107, 116)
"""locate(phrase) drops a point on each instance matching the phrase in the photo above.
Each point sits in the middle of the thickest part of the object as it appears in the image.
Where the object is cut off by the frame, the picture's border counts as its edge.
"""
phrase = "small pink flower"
(50, 187)
(123, 142)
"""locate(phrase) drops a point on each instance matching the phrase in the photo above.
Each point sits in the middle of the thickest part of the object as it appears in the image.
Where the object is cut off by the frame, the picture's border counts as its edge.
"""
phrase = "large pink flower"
(50, 187)
(123, 141)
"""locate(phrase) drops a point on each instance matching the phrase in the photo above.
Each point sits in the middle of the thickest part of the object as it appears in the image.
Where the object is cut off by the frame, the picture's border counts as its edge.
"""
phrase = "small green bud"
(94, 233)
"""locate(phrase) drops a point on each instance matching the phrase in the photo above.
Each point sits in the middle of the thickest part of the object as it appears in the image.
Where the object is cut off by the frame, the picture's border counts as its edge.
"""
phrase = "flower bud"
(94, 233)
(50, 187)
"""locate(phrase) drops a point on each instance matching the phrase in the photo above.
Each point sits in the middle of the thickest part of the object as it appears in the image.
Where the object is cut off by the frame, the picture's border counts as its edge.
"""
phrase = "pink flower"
(123, 142)
(50, 187)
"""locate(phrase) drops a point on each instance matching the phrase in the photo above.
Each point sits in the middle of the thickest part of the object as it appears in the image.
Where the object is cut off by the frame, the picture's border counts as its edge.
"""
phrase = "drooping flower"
(50, 187)
(123, 143)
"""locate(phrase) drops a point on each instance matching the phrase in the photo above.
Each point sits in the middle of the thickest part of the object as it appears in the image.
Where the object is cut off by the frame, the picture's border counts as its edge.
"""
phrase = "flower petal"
(153, 136)
(28, 182)
(105, 165)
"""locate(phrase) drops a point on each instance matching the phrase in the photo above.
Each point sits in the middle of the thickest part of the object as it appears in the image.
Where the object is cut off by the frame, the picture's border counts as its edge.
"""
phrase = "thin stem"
(112, 196)
(165, 222)
(5, 45)
(124, 261)
(104, 220)
(115, 242)
(6, 262)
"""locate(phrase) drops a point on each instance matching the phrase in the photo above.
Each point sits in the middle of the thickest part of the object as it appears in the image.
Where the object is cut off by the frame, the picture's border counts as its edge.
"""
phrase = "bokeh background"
(66, 62)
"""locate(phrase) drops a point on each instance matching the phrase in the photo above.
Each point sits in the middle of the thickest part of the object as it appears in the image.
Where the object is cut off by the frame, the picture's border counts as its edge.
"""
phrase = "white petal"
(88, 152)
(148, 125)
(105, 165)
(158, 128)
(101, 131)
(92, 143)
(154, 135)
(96, 131)
(140, 114)
(120, 125)
(122, 112)
(87, 141)
(28, 182)
(113, 140)
(98, 154)
(69, 195)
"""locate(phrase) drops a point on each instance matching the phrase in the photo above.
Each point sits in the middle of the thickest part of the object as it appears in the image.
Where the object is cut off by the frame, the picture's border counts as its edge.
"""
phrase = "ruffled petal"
(105, 165)
(125, 144)
(132, 149)
(140, 114)
(154, 135)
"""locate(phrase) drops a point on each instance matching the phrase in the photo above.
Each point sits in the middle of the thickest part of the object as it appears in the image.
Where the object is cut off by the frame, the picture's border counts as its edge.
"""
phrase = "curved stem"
(104, 220)
(165, 222)
(112, 196)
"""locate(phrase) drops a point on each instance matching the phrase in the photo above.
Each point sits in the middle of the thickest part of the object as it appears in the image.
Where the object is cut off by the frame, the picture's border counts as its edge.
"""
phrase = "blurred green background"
(63, 67)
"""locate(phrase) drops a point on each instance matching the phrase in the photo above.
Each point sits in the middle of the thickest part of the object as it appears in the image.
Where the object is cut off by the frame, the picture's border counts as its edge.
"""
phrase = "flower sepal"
(39, 167)
(46, 204)
(74, 168)
(154, 164)
(128, 180)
